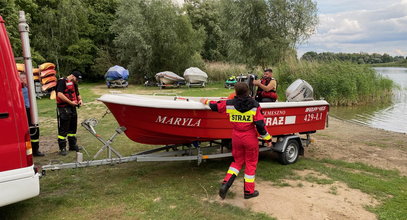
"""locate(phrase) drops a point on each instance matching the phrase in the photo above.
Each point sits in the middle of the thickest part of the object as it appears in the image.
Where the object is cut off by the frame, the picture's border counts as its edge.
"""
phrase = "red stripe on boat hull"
(160, 126)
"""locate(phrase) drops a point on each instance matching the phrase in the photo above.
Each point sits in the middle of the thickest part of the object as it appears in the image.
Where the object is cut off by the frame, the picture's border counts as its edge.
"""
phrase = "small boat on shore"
(168, 78)
(195, 76)
(161, 120)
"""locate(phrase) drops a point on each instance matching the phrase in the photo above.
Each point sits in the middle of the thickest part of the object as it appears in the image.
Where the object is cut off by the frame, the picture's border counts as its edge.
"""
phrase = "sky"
(351, 26)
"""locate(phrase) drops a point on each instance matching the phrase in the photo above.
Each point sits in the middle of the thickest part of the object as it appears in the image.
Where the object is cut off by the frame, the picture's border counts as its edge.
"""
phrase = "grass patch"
(176, 190)
(313, 179)
(333, 190)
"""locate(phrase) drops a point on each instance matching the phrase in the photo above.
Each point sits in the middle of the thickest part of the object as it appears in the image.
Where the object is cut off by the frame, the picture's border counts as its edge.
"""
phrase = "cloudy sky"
(360, 26)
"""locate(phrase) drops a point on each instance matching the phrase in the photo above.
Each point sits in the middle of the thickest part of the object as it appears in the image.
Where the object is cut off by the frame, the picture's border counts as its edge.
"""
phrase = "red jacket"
(244, 114)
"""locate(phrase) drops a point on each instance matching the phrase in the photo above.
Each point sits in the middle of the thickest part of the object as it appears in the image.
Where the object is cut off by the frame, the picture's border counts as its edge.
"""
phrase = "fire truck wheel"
(290, 154)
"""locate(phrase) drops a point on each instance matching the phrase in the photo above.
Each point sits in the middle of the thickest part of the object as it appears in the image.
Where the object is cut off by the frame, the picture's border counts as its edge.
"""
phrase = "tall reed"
(340, 83)
(219, 71)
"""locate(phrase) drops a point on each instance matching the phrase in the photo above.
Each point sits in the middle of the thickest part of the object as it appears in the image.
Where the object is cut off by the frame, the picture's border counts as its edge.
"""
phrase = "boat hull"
(160, 126)
(195, 78)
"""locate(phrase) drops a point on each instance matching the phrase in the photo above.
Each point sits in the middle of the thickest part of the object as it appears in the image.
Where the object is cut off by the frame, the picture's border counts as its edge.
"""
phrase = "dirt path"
(357, 143)
(304, 200)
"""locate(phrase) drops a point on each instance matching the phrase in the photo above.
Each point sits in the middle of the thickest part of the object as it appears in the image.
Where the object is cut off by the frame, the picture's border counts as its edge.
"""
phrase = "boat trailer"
(289, 148)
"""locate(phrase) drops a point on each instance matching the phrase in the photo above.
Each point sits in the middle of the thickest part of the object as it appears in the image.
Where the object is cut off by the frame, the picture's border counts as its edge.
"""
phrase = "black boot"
(35, 147)
(72, 144)
(75, 148)
(251, 195)
(38, 154)
(225, 186)
(62, 147)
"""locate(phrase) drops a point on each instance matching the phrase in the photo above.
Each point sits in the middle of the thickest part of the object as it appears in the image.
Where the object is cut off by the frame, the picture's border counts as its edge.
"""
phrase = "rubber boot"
(62, 147)
(72, 144)
(248, 187)
(251, 195)
(225, 186)
(35, 147)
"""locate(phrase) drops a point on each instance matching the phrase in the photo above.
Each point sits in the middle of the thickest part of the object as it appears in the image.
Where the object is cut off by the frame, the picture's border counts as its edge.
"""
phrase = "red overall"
(245, 149)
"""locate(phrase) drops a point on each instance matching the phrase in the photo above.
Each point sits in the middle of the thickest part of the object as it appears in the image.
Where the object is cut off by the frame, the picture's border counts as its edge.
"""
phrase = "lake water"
(388, 116)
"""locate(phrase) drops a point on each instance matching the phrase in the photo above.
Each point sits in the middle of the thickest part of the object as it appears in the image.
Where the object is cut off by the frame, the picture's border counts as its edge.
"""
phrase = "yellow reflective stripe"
(234, 111)
(231, 108)
(249, 178)
(61, 137)
(236, 116)
(266, 137)
(233, 171)
(35, 140)
(71, 135)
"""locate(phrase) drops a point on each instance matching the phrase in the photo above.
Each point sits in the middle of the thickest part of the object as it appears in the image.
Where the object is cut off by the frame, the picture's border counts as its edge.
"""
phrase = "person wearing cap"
(68, 99)
(267, 87)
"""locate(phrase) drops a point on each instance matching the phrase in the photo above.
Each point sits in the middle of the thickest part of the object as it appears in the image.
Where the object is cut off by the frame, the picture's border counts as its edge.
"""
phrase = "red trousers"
(245, 151)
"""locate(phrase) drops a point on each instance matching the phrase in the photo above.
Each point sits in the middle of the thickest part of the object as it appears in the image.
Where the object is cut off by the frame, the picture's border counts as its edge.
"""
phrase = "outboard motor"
(252, 88)
(299, 90)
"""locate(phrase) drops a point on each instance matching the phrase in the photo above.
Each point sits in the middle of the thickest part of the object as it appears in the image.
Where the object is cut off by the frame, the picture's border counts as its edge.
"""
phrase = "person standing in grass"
(267, 87)
(245, 115)
(34, 130)
(68, 99)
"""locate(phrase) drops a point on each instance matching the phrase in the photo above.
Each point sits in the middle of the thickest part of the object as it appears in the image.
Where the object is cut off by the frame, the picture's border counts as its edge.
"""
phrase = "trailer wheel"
(290, 154)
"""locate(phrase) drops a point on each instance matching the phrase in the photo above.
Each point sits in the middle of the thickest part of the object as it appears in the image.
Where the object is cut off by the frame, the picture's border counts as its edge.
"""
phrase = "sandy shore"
(351, 142)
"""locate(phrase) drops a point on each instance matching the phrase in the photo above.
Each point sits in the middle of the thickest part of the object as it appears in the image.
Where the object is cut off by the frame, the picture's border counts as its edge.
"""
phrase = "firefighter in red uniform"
(246, 117)
(68, 98)
(267, 87)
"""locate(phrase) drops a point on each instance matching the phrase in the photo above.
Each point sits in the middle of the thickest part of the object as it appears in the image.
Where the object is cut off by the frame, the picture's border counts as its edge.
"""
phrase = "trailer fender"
(281, 143)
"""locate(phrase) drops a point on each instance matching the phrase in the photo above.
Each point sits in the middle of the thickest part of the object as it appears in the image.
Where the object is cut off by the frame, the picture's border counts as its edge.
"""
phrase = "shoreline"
(353, 142)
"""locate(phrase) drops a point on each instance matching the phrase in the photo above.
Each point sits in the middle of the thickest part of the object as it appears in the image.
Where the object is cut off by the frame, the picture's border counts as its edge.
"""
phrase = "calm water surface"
(388, 116)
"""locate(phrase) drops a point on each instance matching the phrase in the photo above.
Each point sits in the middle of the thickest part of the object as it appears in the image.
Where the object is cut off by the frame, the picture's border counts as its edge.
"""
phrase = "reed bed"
(340, 83)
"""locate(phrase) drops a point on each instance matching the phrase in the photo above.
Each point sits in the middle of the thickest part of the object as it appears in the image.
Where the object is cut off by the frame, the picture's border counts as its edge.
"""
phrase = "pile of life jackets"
(48, 76)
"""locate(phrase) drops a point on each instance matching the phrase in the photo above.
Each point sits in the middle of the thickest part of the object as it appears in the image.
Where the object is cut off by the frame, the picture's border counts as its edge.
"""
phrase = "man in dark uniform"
(267, 87)
(68, 98)
(34, 130)
(247, 120)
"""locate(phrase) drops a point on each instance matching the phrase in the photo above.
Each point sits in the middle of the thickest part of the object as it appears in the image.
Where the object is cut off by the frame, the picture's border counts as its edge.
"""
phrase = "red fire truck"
(18, 178)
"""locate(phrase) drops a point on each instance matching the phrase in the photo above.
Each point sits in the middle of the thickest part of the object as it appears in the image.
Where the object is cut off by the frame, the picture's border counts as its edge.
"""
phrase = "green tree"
(101, 14)
(263, 32)
(310, 56)
(9, 12)
(247, 33)
(205, 14)
(62, 34)
(152, 36)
